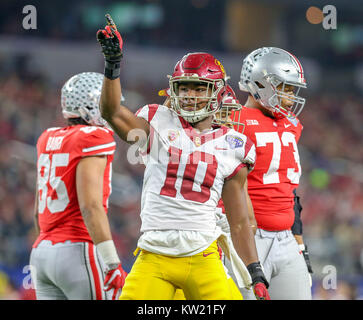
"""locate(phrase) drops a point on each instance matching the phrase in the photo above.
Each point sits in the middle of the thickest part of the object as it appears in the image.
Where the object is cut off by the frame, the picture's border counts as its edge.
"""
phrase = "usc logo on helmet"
(218, 63)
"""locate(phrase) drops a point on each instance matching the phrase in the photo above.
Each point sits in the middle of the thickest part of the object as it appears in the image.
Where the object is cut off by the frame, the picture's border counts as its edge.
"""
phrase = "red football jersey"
(277, 170)
(59, 152)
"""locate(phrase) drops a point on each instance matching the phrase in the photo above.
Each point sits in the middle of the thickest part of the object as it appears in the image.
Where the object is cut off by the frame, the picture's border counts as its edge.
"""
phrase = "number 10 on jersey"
(200, 168)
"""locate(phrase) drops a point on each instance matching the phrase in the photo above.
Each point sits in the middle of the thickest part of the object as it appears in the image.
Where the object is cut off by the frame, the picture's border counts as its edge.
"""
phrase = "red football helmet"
(230, 100)
(230, 104)
(198, 68)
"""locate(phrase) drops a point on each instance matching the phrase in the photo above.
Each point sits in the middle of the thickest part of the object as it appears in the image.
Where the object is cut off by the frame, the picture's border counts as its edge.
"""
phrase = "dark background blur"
(34, 64)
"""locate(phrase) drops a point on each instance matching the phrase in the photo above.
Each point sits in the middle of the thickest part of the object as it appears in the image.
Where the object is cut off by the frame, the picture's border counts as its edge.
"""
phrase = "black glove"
(305, 253)
(259, 281)
(111, 43)
(297, 227)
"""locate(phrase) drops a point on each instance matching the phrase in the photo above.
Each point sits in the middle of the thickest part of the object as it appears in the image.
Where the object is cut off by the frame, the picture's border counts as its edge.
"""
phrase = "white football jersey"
(185, 170)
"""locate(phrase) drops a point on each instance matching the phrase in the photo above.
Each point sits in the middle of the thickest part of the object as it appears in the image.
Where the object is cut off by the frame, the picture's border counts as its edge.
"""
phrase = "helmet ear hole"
(259, 84)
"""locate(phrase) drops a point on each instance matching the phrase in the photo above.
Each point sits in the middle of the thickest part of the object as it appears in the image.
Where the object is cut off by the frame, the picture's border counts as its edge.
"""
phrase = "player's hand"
(260, 291)
(115, 279)
(259, 281)
(110, 41)
(305, 253)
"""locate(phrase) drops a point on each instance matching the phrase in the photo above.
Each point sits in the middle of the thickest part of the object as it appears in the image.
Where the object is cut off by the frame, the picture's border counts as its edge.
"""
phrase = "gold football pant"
(236, 294)
(156, 277)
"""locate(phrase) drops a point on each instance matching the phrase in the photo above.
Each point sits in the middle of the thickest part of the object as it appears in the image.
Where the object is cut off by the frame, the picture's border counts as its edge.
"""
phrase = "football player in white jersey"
(230, 103)
(189, 166)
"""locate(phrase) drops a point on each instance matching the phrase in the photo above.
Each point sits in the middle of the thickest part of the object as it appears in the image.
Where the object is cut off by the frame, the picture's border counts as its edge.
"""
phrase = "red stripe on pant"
(96, 277)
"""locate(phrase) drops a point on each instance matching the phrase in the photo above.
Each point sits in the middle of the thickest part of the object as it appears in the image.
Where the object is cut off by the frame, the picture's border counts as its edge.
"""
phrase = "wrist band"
(108, 252)
(302, 247)
(112, 70)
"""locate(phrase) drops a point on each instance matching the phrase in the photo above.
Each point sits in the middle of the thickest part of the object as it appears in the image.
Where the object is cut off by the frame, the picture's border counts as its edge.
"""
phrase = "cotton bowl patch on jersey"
(234, 142)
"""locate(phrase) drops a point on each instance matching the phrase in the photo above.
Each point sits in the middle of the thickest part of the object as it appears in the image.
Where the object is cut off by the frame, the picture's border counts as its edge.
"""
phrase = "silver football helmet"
(81, 97)
(263, 70)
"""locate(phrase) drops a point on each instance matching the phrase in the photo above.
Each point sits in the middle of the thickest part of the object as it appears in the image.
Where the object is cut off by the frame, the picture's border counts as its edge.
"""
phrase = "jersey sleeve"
(40, 142)
(96, 141)
(244, 153)
(249, 157)
(147, 112)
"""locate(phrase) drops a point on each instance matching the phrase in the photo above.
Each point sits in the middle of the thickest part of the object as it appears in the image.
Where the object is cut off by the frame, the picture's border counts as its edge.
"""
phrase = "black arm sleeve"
(297, 228)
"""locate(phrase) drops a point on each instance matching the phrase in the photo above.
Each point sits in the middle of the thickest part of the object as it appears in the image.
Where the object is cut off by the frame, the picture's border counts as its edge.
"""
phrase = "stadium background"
(35, 63)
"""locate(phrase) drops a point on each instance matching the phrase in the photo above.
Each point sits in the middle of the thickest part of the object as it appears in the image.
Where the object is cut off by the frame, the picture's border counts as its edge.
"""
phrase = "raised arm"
(120, 118)
(236, 206)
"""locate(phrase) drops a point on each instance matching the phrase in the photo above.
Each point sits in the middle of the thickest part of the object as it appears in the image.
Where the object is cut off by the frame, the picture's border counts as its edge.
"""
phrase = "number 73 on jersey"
(278, 164)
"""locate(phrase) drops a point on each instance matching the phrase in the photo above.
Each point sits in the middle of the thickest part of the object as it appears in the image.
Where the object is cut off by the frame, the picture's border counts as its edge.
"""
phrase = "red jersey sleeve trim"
(149, 142)
(152, 110)
(239, 167)
(248, 146)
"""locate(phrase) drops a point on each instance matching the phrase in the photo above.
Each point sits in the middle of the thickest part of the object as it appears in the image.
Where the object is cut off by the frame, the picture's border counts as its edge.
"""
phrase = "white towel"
(238, 267)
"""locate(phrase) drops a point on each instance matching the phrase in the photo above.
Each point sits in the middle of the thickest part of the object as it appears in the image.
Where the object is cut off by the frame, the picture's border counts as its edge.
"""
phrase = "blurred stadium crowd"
(331, 187)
